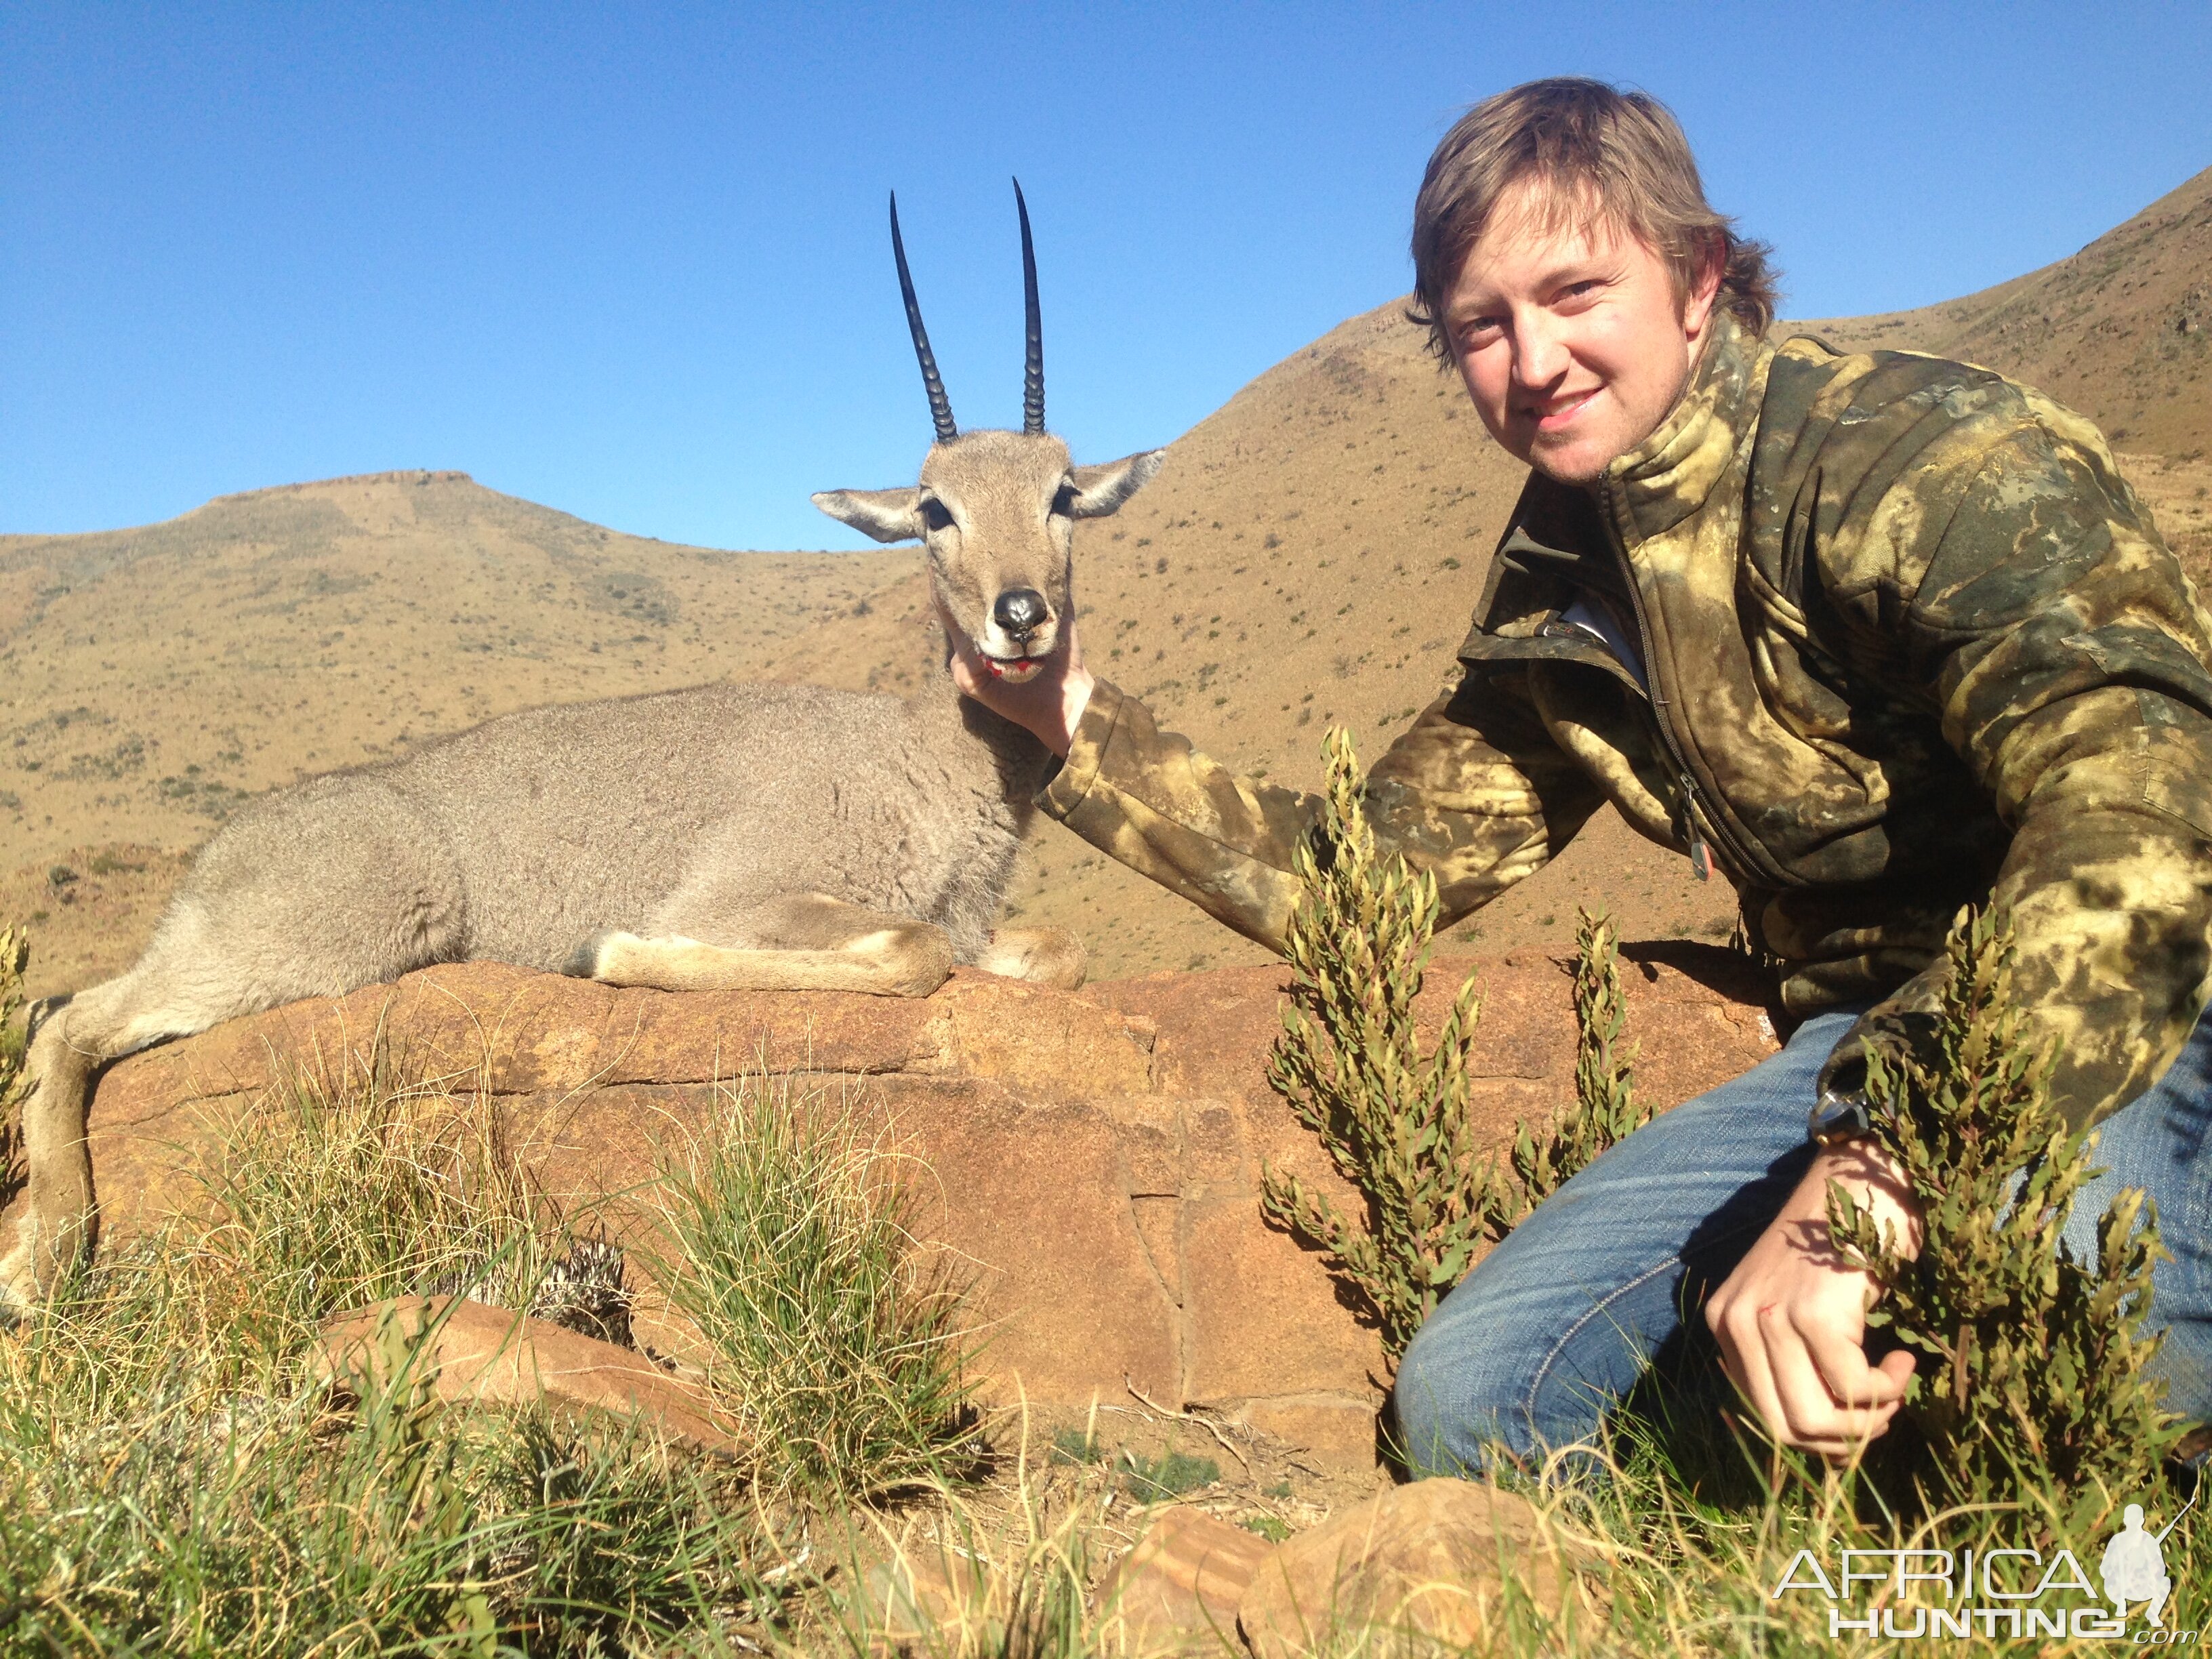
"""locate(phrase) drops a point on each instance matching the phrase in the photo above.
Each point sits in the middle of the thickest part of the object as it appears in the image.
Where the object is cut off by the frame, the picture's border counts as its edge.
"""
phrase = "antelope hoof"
(19, 1281)
(43, 1255)
(1042, 956)
(583, 962)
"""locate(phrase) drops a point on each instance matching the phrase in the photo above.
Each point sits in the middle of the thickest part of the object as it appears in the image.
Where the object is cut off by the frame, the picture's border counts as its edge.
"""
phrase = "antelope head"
(996, 510)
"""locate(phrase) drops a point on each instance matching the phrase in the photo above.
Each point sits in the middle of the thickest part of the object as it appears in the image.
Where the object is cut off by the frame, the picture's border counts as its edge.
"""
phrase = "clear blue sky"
(631, 260)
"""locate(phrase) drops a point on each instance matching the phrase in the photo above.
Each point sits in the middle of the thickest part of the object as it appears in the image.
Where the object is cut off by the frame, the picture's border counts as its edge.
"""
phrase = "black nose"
(1020, 612)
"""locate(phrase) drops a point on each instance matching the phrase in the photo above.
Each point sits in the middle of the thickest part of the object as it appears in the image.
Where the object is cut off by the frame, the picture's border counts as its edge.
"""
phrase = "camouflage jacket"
(1911, 642)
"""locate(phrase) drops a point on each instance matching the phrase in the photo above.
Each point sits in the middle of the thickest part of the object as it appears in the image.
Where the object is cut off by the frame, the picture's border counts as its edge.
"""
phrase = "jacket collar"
(1669, 476)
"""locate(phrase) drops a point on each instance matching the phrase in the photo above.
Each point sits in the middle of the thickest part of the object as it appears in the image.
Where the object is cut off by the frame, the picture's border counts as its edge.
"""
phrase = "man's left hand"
(1791, 1318)
(1050, 706)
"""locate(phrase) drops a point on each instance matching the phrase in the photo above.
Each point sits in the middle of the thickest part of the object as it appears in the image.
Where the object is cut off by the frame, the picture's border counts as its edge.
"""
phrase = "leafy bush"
(1396, 1120)
(2032, 1372)
(15, 957)
(1604, 1111)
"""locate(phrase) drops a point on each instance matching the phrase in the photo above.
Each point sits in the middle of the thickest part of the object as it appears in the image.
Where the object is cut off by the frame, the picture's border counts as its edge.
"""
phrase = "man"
(1876, 637)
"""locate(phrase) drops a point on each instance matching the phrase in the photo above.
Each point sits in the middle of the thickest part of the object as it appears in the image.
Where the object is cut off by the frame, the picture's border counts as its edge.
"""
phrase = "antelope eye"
(1063, 504)
(933, 515)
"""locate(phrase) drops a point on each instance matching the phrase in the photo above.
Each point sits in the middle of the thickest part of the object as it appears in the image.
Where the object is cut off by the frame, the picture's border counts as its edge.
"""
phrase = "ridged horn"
(1033, 366)
(940, 406)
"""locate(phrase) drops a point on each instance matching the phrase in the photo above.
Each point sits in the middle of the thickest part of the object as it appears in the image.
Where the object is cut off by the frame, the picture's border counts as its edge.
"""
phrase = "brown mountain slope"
(1311, 552)
(149, 678)
(2121, 331)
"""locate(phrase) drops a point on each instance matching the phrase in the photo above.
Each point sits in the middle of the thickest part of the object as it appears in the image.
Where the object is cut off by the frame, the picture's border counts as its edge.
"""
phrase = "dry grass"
(173, 1478)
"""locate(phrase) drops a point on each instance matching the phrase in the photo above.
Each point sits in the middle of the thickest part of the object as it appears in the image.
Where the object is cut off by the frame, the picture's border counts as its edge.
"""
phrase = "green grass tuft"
(833, 1339)
(1170, 1475)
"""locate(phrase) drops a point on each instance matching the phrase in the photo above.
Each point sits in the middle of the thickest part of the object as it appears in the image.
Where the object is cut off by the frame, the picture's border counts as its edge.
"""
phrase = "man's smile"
(1551, 414)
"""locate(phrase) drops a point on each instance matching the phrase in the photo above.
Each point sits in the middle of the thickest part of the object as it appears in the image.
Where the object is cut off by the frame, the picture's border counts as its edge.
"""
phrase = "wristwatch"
(1841, 1116)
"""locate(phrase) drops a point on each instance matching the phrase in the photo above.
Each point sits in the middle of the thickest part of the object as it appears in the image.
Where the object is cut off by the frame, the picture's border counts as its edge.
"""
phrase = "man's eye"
(933, 515)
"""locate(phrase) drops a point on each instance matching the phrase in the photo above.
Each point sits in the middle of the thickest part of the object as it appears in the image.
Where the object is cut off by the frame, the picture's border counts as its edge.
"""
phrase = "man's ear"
(1698, 304)
(1101, 489)
(889, 515)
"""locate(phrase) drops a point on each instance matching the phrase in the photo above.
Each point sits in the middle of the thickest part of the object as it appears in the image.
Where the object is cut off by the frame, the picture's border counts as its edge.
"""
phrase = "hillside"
(2121, 331)
(1311, 553)
(152, 678)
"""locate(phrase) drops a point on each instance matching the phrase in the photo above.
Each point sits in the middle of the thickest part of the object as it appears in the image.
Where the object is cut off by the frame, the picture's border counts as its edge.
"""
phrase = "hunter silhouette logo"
(2133, 1565)
(1919, 1594)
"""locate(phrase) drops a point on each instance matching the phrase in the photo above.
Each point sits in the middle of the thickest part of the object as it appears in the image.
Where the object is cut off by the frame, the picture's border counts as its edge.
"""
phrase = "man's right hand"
(1791, 1317)
(1051, 705)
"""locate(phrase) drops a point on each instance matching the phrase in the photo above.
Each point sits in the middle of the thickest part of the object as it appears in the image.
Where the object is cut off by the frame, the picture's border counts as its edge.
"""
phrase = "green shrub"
(15, 957)
(2031, 1376)
(1604, 1111)
(1394, 1120)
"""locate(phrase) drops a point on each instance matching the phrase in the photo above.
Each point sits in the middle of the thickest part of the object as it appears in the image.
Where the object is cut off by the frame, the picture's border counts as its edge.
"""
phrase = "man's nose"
(1540, 356)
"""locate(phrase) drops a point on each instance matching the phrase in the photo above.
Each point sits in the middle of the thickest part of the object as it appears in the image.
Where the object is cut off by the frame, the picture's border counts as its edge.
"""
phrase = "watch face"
(1838, 1117)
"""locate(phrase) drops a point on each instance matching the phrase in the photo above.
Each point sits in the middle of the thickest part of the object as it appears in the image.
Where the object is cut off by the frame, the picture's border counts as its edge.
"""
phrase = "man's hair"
(1589, 149)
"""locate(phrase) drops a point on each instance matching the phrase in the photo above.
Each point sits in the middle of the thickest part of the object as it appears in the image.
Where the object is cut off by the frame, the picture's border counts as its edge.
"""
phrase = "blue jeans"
(1555, 1326)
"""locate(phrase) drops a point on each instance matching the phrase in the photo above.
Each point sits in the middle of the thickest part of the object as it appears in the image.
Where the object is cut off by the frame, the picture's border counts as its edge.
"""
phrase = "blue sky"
(631, 260)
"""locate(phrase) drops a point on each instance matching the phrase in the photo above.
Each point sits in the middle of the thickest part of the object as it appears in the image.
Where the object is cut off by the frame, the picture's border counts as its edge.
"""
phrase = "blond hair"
(1593, 151)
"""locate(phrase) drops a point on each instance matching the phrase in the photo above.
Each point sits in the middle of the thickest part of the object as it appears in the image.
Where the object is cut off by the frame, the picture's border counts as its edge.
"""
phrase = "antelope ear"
(1101, 489)
(889, 515)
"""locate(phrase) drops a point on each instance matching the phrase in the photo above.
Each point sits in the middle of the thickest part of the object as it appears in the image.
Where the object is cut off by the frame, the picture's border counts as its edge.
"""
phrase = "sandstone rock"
(1179, 1588)
(1088, 1161)
(939, 1608)
(489, 1356)
(1427, 1561)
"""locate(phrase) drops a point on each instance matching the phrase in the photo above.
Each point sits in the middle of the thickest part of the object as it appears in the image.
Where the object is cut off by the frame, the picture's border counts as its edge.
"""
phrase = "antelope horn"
(1033, 368)
(940, 406)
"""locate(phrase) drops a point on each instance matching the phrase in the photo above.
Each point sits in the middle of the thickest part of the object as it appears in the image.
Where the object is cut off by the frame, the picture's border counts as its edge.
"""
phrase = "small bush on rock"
(1394, 1119)
(336, 1191)
(832, 1340)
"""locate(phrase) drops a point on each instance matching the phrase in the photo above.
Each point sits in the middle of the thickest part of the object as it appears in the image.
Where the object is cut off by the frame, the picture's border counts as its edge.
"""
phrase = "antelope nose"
(1020, 612)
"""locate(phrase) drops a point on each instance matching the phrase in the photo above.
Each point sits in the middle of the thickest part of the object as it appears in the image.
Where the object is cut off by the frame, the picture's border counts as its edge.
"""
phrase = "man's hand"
(1051, 705)
(1791, 1318)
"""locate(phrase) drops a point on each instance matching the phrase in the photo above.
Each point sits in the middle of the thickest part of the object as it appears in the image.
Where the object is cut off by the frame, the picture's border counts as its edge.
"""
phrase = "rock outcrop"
(473, 1355)
(1421, 1569)
(1095, 1157)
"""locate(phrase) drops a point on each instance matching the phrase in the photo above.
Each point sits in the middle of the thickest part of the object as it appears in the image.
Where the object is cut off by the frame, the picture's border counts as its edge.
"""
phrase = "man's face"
(1571, 339)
